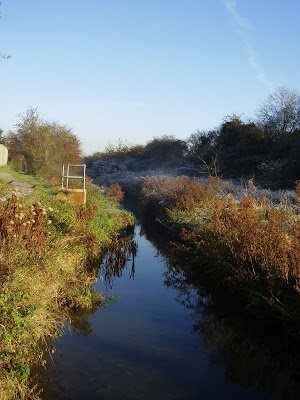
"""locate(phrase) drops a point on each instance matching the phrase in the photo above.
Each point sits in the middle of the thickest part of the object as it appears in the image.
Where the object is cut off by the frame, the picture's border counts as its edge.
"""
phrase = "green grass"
(54, 254)
(4, 186)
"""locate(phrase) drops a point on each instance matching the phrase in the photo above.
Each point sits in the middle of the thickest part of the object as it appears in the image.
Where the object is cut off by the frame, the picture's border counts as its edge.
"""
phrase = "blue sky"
(135, 69)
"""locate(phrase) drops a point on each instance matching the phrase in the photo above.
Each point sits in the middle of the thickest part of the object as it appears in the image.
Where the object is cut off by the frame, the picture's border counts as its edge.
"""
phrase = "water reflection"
(119, 256)
(142, 347)
(253, 356)
(80, 323)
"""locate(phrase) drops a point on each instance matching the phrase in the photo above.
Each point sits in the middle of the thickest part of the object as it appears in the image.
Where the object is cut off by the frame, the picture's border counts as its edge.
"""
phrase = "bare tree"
(280, 114)
(211, 167)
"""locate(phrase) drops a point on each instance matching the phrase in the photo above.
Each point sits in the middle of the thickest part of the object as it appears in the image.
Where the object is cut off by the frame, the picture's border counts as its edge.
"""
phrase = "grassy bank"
(252, 246)
(48, 246)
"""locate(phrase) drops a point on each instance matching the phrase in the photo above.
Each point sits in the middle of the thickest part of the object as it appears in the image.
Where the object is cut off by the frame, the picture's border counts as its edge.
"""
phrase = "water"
(164, 338)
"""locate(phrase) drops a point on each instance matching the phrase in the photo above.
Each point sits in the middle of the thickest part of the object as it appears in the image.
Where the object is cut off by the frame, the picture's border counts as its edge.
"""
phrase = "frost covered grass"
(254, 242)
(47, 243)
(240, 189)
(130, 173)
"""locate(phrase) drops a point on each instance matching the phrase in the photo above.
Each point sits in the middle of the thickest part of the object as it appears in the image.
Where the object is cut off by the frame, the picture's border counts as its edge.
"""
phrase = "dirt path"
(18, 187)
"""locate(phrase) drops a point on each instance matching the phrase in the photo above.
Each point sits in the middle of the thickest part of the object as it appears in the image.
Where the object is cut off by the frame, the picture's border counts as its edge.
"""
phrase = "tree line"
(266, 148)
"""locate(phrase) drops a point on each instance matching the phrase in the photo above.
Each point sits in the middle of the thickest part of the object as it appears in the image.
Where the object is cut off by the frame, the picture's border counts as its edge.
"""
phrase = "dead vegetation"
(259, 240)
(46, 248)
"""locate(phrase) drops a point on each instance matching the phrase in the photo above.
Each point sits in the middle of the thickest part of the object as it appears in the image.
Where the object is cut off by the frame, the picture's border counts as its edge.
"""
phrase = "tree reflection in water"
(116, 259)
(252, 355)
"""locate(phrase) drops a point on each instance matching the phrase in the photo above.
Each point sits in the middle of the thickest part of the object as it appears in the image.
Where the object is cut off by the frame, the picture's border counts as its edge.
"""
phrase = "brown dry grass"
(115, 192)
(44, 274)
(261, 240)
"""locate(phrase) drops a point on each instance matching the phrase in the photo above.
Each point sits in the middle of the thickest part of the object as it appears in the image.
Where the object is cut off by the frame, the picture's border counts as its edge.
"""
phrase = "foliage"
(2, 137)
(273, 171)
(242, 147)
(128, 167)
(45, 146)
(260, 241)
(165, 149)
(47, 243)
(203, 150)
(266, 150)
(115, 192)
(182, 192)
(24, 234)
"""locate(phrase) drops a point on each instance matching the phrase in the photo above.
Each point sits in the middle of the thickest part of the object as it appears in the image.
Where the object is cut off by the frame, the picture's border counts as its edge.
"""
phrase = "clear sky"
(135, 69)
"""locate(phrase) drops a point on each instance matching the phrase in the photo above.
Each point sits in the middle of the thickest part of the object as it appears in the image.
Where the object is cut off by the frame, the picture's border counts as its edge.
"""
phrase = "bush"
(260, 240)
(115, 192)
(45, 254)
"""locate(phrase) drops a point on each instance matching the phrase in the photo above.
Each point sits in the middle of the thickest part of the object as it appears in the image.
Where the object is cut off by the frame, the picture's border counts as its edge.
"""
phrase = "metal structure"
(68, 175)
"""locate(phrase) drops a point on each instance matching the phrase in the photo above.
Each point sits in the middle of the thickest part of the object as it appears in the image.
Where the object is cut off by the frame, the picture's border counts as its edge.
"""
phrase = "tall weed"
(46, 245)
(261, 240)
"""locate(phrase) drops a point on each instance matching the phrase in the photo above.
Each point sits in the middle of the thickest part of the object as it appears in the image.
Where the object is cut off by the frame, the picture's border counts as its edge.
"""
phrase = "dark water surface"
(164, 339)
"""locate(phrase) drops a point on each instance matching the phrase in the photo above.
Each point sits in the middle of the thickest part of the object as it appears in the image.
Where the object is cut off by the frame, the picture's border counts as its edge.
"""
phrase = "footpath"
(18, 188)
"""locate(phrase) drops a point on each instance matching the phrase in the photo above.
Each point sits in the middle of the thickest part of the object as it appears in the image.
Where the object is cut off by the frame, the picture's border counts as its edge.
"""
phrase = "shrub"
(24, 233)
(260, 240)
(45, 254)
(115, 192)
(44, 146)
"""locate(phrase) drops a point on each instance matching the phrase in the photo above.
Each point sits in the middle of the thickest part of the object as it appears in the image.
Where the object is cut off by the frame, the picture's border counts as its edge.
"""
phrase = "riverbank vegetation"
(49, 245)
(252, 247)
(249, 237)
(231, 195)
(253, 354)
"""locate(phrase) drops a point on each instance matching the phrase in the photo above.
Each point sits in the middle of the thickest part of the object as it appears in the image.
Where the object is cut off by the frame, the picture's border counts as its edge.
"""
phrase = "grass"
(253, 246)
(3, 187)
(47, 244)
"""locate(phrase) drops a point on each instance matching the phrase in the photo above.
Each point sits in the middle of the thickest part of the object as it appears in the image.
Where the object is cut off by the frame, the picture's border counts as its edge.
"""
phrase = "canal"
(163, 336)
